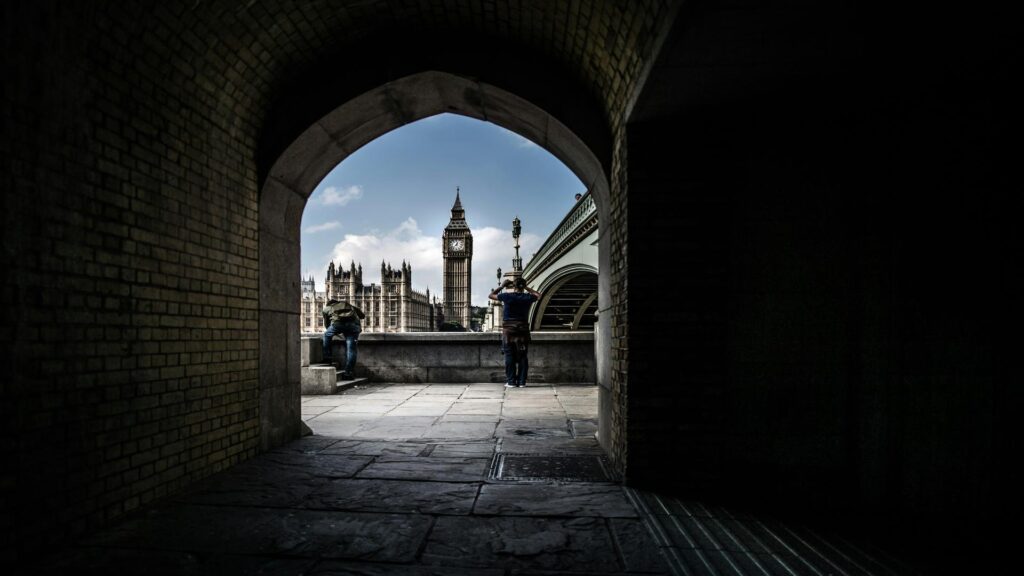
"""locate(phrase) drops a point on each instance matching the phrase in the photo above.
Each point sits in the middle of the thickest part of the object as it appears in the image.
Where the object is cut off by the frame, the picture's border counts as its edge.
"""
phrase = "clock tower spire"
(457, 249)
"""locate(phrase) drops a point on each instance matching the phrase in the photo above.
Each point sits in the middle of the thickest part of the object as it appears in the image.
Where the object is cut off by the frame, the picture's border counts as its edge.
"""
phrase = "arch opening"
(326, 143)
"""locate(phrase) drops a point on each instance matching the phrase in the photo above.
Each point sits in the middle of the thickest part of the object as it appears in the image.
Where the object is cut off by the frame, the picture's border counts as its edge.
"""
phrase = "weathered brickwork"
(130, 212)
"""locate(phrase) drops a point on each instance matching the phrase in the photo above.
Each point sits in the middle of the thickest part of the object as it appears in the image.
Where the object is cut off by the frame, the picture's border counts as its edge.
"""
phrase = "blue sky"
(391, 199)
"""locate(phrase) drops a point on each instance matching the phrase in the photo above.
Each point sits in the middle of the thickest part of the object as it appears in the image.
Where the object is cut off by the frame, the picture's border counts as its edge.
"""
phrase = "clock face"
(456, 244)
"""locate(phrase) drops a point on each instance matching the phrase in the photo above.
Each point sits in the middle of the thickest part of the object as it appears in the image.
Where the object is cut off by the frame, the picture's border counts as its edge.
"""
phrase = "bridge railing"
(583, 216)
(555, 357)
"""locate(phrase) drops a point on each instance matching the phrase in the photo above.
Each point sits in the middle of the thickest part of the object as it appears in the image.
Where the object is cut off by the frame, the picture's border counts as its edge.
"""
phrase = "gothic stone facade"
(393, 306)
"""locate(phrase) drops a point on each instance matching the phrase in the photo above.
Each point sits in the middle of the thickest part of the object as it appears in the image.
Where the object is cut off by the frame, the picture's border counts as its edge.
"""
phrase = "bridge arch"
(569, 299)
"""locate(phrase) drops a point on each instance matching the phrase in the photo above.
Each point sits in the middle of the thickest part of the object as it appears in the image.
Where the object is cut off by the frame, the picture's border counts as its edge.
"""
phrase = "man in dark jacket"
(341, 317)
(515, 328)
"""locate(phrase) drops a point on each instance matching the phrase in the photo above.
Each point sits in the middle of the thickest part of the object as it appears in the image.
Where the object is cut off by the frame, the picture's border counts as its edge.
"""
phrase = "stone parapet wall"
(461, 357)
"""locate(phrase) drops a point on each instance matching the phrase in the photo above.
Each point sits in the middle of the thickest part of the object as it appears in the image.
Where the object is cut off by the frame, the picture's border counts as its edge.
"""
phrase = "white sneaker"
(507, 385)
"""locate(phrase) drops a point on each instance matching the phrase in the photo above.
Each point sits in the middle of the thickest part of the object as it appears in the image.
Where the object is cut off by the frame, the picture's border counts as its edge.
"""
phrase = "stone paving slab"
(325, 400)
(484, 394)
(368, 408)
(398, 421)
(334, 424)
(308, 413)
(482, 449)
(405, 386)
(467, 430)
(325, 465)
(575, 389)
(581, 545)
(470, 418)
(398, 496)
(95, 561)
(357, 390)
(476, 406)
(375, 448)
(243, 530)
(443, 390)
(554, 499)
(516, 397)
(583, 427)
(583, 405)
(272, 487)
(536, 403)
(274, 479)
(436, 469)
(381, 399)
(527, 413)
(408, 409)
(538, 429)
(391, 392)
(336, 568)
(390, 433)
(306, 445)
(395, 427)
(561, 445)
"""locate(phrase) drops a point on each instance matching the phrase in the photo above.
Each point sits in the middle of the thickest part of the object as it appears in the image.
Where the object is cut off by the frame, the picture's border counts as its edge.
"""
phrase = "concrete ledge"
(419, 357)
(319, 379)
(457, 337)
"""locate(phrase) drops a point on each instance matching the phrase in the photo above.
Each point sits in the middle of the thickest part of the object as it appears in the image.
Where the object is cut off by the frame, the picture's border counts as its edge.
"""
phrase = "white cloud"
(492, 248)
(322, 227)
(405, 242)
(334, 196)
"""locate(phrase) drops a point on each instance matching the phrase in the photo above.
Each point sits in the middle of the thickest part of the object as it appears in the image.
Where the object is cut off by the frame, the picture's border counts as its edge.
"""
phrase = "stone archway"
(300, 167)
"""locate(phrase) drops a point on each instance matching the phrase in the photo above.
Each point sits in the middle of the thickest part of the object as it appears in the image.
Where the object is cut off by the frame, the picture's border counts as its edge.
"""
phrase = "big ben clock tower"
(457, 247)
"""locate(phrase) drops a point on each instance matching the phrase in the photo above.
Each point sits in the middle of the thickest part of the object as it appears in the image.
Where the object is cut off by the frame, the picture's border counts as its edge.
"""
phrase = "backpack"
(341, 312)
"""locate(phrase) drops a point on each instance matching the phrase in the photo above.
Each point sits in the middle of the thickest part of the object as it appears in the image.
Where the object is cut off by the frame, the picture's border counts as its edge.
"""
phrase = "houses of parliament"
(393, 306)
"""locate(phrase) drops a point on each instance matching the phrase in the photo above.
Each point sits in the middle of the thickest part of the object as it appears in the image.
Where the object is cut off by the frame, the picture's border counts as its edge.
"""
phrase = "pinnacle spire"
(458, 201)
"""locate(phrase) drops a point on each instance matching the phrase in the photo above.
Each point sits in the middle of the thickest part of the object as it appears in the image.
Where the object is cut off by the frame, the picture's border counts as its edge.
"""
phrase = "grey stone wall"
(456, 357)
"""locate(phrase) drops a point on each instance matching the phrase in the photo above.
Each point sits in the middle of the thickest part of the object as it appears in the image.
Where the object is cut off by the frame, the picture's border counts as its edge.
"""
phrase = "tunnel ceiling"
(276, 67)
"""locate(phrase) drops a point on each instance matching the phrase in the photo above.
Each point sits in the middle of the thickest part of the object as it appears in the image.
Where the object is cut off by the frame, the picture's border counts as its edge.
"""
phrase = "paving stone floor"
(449, 479)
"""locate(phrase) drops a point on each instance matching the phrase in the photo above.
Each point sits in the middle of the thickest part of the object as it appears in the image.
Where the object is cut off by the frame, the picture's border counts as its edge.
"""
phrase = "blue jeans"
(516, 362)
(350, 330)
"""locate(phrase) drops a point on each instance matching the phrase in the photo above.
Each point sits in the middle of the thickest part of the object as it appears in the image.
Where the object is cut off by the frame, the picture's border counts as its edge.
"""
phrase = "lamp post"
(517, 262)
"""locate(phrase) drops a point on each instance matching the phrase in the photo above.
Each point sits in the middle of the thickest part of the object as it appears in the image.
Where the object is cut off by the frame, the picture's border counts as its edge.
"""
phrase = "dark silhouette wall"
(827, 187)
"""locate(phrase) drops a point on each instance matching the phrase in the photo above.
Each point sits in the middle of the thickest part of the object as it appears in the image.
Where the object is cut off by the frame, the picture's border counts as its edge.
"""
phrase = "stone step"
(345, 384)
(325, 378)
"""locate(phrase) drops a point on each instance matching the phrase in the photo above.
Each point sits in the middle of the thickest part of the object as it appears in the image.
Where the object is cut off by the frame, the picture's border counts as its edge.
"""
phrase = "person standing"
(341, 317)
(515, 328)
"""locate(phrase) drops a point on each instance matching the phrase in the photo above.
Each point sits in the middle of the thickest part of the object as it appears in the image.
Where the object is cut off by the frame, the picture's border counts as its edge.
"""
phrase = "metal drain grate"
(526, 467)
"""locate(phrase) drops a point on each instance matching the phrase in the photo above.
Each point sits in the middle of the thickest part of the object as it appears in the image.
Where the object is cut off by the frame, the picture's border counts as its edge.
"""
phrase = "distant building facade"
(392, 306)
(309, 310)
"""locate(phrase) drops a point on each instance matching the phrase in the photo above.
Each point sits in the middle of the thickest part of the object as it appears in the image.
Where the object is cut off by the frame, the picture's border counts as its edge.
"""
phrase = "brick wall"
(132, 157)
(129, 274)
